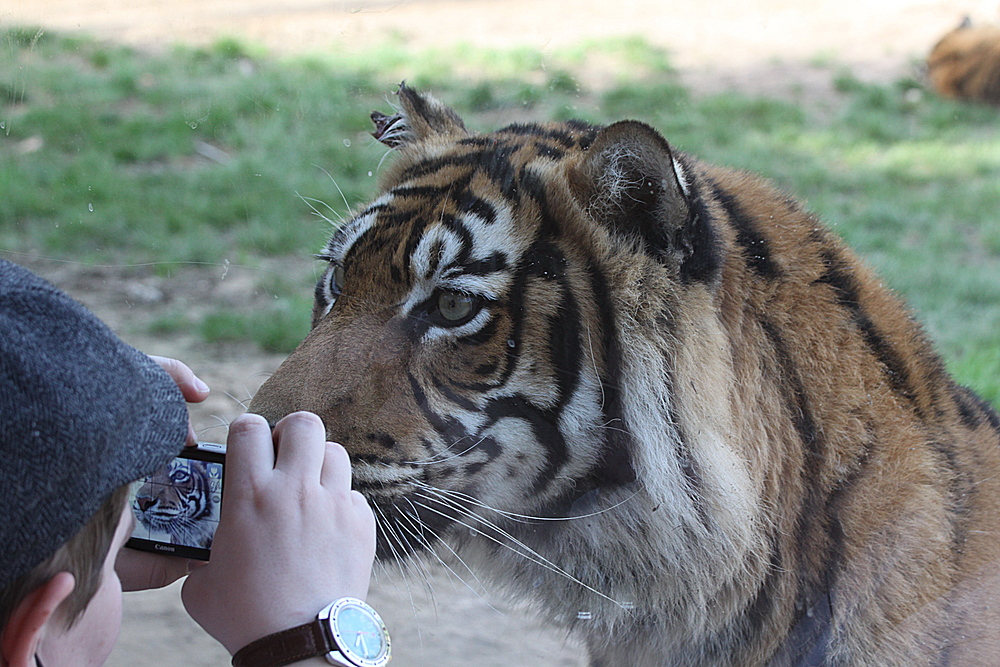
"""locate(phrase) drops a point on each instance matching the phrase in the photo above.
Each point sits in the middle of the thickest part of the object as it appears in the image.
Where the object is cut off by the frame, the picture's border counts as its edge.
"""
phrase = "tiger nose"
(145, 503)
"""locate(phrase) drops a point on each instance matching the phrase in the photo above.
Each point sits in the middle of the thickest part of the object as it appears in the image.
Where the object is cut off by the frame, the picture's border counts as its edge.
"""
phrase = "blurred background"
(173, 165)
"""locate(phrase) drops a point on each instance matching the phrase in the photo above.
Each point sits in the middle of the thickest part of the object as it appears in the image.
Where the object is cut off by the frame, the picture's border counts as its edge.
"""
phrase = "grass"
(199, 154)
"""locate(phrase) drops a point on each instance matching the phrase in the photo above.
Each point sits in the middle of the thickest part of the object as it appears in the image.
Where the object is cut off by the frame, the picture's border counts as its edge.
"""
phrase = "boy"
(82, 415)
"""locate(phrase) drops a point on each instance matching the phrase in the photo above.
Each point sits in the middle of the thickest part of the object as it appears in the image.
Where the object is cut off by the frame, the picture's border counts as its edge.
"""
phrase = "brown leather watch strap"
(285, 647)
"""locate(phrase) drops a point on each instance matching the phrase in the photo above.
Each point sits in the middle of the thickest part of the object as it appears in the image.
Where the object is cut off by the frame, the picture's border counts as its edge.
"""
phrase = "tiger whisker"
(418, 525)
(443, 498)
(334, 181)
(524, 517)
(249, 394)
(237, 401)
(308, 202)
(222, 421)
(443, 493)
(593, 360)
(415, 527)
(390, 537)
(413, 539)
(381, 566)
(383, 524)
(525, 552)
(391, 103)
(320, 201)
(222, 424)
(430, 460)
(389, 152)
(415, 520)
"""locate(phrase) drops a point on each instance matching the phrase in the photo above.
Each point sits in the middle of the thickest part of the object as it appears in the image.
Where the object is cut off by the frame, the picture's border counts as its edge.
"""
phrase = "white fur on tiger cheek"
(647, 408)
(712, 438)
(726, 492)
(515, 436)
(580, 425)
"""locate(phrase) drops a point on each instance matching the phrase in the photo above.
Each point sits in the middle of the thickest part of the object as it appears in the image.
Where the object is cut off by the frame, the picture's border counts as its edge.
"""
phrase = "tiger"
(655, 398)
(178, 501)
(965, 64)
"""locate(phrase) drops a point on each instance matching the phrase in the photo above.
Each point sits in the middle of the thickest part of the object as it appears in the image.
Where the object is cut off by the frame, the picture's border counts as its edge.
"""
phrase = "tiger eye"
(455, 306)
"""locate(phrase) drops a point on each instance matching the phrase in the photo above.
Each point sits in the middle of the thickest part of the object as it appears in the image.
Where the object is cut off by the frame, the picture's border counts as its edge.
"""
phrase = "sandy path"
(761, 45)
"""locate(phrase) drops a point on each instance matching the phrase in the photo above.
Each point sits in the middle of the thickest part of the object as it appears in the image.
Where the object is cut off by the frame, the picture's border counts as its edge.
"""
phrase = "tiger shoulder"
(611, 377)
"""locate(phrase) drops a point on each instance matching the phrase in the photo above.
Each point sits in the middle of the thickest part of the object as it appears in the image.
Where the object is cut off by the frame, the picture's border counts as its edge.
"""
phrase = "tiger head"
(473, 324)
(177, 500)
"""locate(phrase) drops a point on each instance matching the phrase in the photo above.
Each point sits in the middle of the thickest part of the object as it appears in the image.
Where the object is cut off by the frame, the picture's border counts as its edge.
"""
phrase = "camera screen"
(177, 508)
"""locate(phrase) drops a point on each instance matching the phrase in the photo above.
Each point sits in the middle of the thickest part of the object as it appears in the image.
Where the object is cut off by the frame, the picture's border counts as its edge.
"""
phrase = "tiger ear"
(631, 183)
(420, 117)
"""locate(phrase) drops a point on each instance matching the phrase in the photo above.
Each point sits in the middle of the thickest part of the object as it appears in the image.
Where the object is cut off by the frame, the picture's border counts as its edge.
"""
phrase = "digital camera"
(177, 508)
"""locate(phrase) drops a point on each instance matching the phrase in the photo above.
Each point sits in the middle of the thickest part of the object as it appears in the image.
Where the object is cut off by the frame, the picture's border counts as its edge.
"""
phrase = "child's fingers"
(191, 386)
(300, 439)
(336, 473)
(249, 455)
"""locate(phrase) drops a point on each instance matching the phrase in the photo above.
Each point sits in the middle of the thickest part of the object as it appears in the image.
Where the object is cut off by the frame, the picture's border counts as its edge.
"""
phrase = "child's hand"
(142, 570)
(292, 536)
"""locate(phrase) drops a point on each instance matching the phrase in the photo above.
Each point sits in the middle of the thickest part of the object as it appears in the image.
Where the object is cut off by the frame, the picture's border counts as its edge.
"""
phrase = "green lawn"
(109, 152)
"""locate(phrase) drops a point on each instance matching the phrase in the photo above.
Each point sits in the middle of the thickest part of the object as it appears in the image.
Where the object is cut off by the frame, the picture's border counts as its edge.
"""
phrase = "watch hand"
(361, 641)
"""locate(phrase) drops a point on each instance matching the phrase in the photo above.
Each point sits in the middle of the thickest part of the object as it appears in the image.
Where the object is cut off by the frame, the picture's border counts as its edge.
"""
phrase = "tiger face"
(613, 378)
(178, 501)
(456, 318)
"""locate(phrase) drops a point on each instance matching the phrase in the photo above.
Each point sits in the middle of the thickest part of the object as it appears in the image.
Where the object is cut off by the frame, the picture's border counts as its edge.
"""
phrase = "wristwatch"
(348, 632)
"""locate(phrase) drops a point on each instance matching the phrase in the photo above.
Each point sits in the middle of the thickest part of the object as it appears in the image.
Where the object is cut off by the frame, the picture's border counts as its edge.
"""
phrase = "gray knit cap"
(81, 414)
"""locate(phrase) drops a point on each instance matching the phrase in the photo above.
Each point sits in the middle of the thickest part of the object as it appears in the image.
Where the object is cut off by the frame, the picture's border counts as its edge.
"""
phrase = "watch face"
(359, 633)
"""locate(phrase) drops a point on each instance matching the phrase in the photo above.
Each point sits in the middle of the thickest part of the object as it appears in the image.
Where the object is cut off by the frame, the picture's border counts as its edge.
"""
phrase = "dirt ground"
(768, 46)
